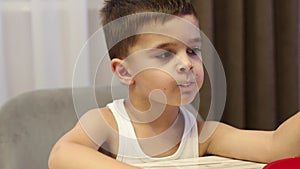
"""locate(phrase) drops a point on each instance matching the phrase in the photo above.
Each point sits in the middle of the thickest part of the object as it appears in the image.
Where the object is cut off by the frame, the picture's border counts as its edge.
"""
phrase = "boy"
(162, 73)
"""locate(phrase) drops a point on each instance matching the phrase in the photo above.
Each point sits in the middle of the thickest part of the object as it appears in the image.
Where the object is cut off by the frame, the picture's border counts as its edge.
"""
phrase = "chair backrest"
(32, 122)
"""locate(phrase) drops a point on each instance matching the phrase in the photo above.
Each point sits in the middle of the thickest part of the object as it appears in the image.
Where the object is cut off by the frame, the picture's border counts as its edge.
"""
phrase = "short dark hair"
(115, 9)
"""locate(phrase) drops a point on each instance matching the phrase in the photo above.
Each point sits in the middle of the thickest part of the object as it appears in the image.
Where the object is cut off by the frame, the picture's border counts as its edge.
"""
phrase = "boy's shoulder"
(100, 118)
(108, 117)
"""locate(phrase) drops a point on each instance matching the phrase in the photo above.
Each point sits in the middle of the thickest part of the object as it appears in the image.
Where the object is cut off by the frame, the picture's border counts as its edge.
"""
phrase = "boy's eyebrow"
(168, 44)
(172, 44)
(196, 40)
(164, 45)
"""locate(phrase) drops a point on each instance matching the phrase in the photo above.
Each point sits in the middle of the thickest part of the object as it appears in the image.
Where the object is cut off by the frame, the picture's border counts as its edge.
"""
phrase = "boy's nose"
(184, 64)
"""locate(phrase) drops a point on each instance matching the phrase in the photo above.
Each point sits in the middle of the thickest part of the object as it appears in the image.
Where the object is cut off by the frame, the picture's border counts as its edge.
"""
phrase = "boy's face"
(161, 61)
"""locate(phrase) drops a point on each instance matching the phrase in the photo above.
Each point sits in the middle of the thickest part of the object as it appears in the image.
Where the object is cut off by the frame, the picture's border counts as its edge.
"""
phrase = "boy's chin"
(181, 102)
(175, 100)
(186, 102)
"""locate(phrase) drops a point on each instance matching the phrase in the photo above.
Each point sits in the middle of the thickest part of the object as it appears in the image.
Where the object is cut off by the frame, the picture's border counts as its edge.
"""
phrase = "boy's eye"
(165, 55)
(194, 51)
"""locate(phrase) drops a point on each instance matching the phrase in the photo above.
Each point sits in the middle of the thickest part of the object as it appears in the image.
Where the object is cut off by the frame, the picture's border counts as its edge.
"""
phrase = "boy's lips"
(186, 84)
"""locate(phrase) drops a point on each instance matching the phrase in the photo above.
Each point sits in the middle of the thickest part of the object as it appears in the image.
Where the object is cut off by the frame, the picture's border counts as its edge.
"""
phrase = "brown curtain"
(258, 43)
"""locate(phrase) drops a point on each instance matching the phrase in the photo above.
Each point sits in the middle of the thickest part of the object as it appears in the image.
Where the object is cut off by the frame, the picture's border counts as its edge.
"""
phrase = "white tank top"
(129, 148)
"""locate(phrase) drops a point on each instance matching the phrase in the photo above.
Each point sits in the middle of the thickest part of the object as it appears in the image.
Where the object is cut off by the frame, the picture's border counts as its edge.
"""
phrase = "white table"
(207, 162)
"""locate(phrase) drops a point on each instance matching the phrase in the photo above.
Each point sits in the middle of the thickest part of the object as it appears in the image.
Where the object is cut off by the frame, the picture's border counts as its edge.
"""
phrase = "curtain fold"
(46, 28)
(287, 57)
(3, 93)
(257, 41)
(228, 38)
(40, 41)
(260, 64)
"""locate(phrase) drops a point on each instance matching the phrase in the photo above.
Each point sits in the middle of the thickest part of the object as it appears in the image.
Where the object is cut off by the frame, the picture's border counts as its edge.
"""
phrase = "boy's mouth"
(186, 84)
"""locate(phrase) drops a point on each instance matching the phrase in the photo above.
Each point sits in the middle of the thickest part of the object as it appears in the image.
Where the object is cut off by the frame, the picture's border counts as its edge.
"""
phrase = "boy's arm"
(259, 146)
(76, 149)
(286, 139)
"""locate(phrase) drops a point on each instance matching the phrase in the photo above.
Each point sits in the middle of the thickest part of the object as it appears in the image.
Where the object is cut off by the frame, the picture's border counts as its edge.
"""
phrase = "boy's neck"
(151, 113)
(159, 123)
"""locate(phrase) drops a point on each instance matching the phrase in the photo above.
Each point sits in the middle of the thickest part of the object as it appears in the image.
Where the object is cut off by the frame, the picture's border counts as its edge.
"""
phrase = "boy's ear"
(121, 71)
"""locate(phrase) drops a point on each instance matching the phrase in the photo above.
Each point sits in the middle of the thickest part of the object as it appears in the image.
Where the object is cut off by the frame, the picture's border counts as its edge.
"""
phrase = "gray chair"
(32, 122)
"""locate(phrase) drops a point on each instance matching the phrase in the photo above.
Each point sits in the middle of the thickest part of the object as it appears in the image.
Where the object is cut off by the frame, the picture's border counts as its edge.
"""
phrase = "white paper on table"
(207, 162)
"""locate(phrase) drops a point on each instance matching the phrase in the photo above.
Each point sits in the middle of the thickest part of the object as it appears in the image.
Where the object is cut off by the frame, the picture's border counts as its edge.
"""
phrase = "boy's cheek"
(200, 83)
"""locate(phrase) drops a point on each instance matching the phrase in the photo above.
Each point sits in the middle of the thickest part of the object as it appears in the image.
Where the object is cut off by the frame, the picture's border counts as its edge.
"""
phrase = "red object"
(288, 163)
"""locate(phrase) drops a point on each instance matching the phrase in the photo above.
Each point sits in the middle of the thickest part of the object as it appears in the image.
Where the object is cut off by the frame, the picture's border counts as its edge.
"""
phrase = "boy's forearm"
(286, 139)
(75, 156)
